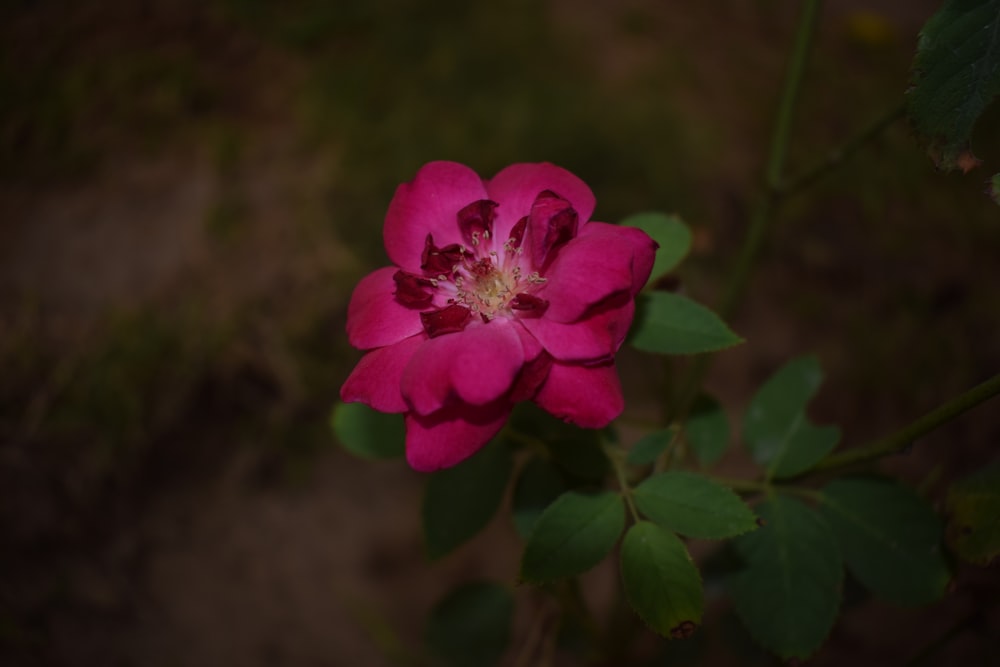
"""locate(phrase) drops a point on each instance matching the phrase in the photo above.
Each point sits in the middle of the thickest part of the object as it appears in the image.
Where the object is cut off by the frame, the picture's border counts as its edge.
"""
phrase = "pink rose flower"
(501, 291)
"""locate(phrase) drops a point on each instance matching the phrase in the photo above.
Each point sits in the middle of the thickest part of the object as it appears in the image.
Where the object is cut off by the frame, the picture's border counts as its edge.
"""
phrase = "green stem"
(903, 438)
(839, 155)
(767, 488)
(617, 458)
(763, 214)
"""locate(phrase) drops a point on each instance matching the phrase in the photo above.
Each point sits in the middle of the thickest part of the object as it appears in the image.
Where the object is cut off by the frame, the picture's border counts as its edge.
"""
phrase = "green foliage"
(956, 75)
(368, 433)
(573, 535)
(994, 190)
(707, 430)
(973, 508)
(777, 432)
(649, 447)
(672, 235)
(890, 537)
(538, 485)
(460, 501)
(471, 626)
(661, 583)
(667, 323)
(574, 450)
(693, 505)
(787, 588)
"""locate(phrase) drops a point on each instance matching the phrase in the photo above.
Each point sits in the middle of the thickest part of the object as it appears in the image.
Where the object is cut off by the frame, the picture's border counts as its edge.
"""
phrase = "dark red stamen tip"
(439, 261)
(557, 221)
(528, 303)
(517, 233)
(412, 290)
(450, 319)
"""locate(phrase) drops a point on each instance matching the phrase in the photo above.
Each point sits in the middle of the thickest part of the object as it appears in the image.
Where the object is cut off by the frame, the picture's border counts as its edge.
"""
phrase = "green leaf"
(707, 430)
(890, 537)
(787, 591)
(368, 433)
(576, 451)
(538, 485)
(660, 581)
(460, 501)
(956, 75)
(672, 235)
(776, 429)
(995, 188)
(572, 535)
(973, 508)
(693, 505)
(673, 324)
(649, 447)
(471, 626)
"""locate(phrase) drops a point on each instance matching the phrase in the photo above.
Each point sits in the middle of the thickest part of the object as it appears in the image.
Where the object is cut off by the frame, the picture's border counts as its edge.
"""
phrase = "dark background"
(190, 190)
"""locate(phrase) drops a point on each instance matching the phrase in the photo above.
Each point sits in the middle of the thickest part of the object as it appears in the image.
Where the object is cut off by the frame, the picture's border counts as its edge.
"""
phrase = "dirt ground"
(190, 190)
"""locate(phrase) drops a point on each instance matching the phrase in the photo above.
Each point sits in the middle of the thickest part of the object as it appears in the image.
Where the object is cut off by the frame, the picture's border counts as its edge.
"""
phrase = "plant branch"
(842, 154)
(617, 458)
(903, 438)
(762, 216)
(750, 486)
(761, 219)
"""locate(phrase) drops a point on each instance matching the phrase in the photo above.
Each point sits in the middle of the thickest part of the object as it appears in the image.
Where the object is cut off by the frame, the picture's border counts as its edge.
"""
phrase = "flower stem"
(903, 438)
(617, 458)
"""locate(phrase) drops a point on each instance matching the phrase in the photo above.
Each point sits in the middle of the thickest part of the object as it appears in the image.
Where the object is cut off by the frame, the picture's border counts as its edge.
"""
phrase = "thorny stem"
(903, 438)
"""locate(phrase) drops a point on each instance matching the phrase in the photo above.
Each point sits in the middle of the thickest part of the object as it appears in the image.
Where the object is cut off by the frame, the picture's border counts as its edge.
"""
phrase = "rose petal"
(516, 188)
(531, 378)
(374, 317)
(475, 366)
(595, 337)
(602, 260)
(376, 380)
(451, 435)
(429, 204)
(588, 396)
(553, 223)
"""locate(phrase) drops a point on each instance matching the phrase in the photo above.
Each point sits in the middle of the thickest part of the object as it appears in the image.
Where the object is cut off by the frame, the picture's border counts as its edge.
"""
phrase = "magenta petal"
(602, 260)
(429, 204)
(376, 379)
(475, 366)
(374, 317)
(595, 337)
(516, 188)
(451, 435)
(588, 396)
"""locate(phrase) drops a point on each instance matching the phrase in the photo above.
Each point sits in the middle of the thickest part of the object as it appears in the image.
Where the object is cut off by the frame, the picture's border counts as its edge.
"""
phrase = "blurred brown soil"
(215, 530)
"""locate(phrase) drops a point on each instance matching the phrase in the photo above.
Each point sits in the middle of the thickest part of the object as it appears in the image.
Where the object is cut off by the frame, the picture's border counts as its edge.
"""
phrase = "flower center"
(484, 288)
(480, 276)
